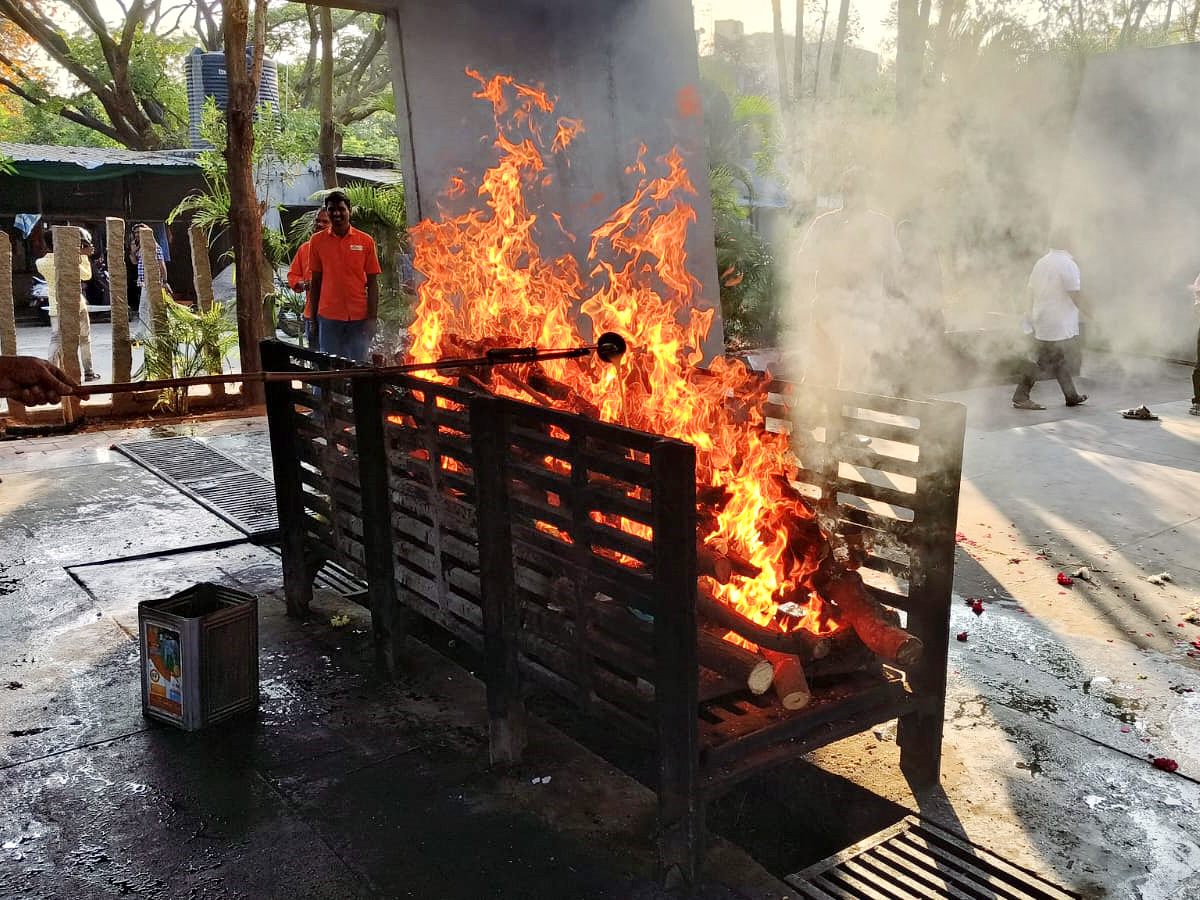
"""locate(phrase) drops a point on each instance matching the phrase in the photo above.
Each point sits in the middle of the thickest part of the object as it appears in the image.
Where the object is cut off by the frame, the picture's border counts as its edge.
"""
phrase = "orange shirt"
(301, 270)
(344, 264)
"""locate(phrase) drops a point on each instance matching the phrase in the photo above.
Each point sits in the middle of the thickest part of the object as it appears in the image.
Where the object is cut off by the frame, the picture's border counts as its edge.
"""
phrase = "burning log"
(727, 659)
(539, 398)
(802, 643)
(791, 687)
(713, 564)
(720, 567)
(713, 495)
(870, 619)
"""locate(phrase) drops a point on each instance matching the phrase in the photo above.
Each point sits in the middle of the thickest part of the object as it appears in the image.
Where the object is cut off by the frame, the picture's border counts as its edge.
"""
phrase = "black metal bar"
(501, 625)
(386, 620)
(676, 688)
(919, 734)
(285, 461)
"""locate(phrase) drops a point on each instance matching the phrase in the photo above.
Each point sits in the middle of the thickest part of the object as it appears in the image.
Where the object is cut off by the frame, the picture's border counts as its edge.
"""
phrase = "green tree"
(114, 82)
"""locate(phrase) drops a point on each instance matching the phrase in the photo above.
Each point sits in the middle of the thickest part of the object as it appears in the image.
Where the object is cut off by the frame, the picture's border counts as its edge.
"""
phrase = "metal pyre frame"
(500, 521)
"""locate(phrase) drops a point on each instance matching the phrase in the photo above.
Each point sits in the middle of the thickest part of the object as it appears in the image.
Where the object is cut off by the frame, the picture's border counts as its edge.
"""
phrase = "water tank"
(206, 77)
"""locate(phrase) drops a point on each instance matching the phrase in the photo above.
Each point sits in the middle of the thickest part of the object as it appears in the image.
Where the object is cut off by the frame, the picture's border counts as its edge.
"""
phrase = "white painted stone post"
(8, 318)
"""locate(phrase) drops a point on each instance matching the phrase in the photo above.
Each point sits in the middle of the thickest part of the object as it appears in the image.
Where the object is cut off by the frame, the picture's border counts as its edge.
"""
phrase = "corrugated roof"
(379, 176)
(31, 159)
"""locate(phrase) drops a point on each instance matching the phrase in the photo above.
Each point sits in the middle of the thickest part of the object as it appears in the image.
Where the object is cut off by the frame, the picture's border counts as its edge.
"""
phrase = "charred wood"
(802, 643)
(735, 662)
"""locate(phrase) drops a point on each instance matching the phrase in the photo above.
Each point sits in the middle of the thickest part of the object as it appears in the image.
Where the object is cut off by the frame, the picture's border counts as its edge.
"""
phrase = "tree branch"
(71, 115)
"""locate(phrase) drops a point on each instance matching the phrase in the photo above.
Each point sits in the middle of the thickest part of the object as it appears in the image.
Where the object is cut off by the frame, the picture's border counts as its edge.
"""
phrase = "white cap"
(85, 237)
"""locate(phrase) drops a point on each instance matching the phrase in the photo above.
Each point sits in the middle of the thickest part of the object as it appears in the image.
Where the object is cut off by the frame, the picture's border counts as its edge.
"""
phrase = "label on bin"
(164, 671)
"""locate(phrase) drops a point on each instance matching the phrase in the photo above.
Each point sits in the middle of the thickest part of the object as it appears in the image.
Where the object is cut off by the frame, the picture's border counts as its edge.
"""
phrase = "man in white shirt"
(1054, 298)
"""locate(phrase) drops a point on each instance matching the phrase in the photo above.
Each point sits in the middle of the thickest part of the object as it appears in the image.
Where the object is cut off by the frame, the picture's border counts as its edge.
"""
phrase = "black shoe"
(1077, 401)
(1027, 404)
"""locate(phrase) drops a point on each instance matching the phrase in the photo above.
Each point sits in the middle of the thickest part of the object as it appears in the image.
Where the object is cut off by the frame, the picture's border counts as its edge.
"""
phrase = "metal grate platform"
(222, 485)
(244, 499)
(916, 860)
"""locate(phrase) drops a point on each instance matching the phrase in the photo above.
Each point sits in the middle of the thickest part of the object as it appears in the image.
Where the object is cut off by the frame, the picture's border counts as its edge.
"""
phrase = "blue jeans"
(348, 339)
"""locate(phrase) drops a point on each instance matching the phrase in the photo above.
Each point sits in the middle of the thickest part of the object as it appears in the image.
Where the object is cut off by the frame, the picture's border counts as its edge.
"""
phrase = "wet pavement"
(343, 786)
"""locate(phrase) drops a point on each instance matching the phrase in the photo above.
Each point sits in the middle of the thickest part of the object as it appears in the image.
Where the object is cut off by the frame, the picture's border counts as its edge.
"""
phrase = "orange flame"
(485, 276)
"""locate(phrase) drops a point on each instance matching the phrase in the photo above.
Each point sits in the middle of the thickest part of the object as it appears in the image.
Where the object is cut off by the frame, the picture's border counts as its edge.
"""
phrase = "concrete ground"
(1059, 698)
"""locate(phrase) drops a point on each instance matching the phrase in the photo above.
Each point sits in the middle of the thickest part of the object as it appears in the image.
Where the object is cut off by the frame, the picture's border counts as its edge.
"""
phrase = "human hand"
(34, 381)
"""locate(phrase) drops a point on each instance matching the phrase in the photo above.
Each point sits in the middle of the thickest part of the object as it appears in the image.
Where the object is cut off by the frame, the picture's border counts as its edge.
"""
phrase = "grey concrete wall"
(620, 67)
(1131, 191)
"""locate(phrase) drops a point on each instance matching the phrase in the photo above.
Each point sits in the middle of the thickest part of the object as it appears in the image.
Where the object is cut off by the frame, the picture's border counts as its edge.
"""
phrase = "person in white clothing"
(1053, 319)
(45, 267)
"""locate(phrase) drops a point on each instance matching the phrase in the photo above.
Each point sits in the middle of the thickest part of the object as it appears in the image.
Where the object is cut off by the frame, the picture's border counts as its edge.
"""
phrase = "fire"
(485, 275)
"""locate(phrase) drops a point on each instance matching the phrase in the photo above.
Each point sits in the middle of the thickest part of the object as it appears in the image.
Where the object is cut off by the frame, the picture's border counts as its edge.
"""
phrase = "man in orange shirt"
(300, 276)
(345, 283)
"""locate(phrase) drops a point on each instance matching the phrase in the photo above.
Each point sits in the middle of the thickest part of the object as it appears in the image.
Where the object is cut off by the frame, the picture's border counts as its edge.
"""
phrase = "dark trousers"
(1196, 373)
(1054, 358)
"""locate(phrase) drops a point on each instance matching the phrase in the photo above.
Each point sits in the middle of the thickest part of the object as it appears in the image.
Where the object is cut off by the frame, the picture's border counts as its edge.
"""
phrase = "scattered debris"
(1167, 765)
(1139, 412)
(340, 620)
(1065, 580)
(962, 636)
(1161, 578)
(977, 607)
(15, 685)
(544, 779)
(1083, 572)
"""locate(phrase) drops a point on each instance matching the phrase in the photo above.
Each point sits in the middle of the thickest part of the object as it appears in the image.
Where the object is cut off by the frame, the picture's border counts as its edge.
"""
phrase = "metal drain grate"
(916, 860)
(244, 499)
(228, 489)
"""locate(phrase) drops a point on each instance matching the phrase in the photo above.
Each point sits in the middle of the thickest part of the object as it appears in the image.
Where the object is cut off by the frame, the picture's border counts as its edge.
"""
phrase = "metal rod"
(609, 348)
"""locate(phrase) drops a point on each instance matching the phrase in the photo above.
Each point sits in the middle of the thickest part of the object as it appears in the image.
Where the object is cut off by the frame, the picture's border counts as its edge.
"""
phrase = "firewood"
(721, 656)
(742, 566)
(802, 643)
(791, 687)
(720, 565)
(567, 395)
(869, 618)
(713, 564)
(471, 382)
(713, 495)
(537, 397)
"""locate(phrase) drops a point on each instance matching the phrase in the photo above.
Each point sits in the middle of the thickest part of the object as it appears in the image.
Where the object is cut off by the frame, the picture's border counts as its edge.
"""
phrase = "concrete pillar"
(8, 318)
(118, 287)
(153, 296)
(67, 287)
(202, 281)
(201, 269)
